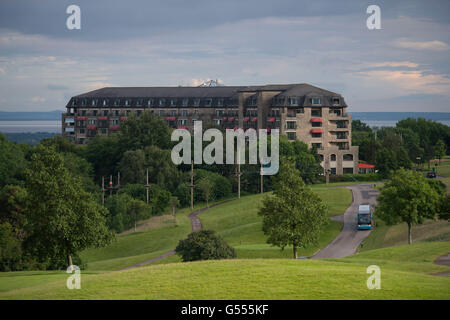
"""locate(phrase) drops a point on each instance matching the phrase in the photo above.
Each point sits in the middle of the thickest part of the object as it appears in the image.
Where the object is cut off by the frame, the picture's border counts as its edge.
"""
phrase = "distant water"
(392, 123)
(373, 119)
(30, 126)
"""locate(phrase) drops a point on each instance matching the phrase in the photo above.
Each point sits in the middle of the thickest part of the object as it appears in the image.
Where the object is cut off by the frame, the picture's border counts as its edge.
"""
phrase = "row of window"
(173, 102)
(154, 102)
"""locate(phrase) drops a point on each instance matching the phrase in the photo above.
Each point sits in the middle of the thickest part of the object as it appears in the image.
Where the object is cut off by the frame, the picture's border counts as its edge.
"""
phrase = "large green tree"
(294, 214)
(408, 198)
(63, 219)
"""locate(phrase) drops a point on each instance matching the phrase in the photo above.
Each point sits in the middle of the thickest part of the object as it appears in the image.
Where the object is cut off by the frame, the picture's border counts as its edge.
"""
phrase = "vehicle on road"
(364, 217)
(431, 174)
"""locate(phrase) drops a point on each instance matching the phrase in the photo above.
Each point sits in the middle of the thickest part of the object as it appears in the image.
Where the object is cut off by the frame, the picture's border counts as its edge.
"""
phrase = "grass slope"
(240, 225)
(404, 275)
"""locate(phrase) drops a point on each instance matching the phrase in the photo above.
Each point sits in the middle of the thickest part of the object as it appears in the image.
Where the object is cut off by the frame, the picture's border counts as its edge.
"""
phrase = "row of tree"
(410, 142)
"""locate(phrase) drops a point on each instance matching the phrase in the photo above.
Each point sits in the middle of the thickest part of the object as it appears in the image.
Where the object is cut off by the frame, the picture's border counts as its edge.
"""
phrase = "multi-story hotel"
(301, 111)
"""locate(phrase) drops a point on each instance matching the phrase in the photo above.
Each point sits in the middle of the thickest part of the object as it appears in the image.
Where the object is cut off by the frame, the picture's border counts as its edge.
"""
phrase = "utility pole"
(110, 185)
(262, 179)
(238, 175)
(147, 186)
(103, 190)
(192, 185)
(118, 180)
(327, 170)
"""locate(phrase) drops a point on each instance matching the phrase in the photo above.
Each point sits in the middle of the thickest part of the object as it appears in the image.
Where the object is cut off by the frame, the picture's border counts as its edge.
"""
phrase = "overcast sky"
(405, 66)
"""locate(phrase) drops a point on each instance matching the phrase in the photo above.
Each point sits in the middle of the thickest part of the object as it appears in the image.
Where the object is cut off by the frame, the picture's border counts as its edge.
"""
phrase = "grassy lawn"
(240, 225)
(404, 275)
(443, 169)
(135, 247)
(383, 236)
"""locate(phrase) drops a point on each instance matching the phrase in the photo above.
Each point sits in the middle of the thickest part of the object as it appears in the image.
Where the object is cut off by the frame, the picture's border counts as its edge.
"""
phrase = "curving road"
(348, 241)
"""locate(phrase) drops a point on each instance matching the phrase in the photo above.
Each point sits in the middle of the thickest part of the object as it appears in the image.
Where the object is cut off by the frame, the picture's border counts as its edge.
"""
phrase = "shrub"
(204, 245)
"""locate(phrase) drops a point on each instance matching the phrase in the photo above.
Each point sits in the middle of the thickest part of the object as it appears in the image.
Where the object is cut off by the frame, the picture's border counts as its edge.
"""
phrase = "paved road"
(196, 226)
(443, 261)
(348, 241)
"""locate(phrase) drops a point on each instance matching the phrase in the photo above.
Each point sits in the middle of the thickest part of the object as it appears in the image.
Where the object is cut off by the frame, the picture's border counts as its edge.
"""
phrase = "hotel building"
(300, 111)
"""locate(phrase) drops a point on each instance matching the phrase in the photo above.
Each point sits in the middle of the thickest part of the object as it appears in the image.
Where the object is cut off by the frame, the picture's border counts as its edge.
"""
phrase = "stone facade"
(316, 116)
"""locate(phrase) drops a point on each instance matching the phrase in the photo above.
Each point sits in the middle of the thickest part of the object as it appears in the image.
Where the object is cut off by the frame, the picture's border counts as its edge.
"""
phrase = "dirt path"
(348, 241)
(443, 261)
(196, 226)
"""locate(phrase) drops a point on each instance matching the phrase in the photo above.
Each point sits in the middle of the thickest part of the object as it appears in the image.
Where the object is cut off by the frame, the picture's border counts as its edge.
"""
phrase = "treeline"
(50, 194)
(410, 143)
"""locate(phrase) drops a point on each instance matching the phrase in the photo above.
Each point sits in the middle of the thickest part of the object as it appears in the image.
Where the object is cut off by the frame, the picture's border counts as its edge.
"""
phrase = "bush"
(204, 245)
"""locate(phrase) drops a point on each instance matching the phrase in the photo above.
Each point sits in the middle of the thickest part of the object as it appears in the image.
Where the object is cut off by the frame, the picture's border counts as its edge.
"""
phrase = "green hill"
(404, 275)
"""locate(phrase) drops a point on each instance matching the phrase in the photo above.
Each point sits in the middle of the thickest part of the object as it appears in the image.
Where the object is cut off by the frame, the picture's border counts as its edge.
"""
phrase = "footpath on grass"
(196, 226)
(443, 261)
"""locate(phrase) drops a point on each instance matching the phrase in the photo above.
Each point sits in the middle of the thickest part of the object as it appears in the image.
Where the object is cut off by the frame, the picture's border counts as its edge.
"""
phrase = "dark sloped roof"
(302, 90)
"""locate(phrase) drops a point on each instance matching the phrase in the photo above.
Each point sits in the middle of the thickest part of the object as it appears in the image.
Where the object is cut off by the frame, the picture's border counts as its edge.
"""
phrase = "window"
(291, 125)
(161, 102)
(195, 111)
(220, 102)
(83, 102)
(173, 113)
(92, 121)
(341, 124)
(317, 145)
(116, 102)
(83, 112)
(104, 103)
(182, 122)
(105, 112)
(293, 101)
(94, 102)
(300, 110)
(316, 135)
(173, 102)
(162, 112)
(347, 170)
(291, 135)
(341, 135)
(114, 122)
(336, 101)
(316, 112)
(185, 102)
(208, 102)
(139, 102)
(218, 121)
(82, 131)
(315, 101)
(333, 170)
(128, 112)
(150, 102)
(94, 112)
(103, 131)
(196, 102)
(347, 157)
(333, 157)
(219, 113)
(184, 113)
(127, 102)
(316, 124)
(116, 113)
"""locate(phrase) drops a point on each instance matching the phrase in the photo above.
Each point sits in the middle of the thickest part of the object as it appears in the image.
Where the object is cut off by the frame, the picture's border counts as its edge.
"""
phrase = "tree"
(204, 245)
(440, 150)
(137, 209)
(145, 130)
(132, 168)
(294, 214)
(63, 219)
(175, 203)
(206, 187)
(407, 198)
